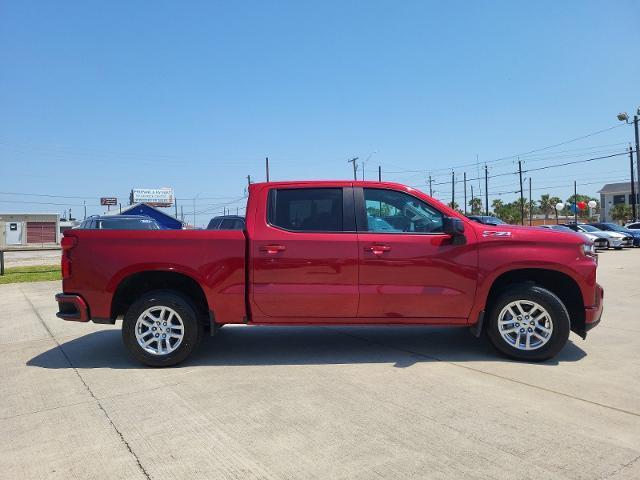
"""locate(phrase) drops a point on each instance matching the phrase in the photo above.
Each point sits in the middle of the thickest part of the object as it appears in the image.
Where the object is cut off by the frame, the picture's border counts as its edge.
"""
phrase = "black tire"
(547, 300)
(617, 248)
(183, 307)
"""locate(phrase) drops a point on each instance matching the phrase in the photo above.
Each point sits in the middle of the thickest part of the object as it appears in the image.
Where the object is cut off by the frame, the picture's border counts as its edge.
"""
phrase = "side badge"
(494, 233)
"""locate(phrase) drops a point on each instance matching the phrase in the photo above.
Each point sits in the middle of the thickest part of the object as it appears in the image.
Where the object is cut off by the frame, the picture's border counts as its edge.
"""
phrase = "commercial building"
(29, 229)
(613, 194)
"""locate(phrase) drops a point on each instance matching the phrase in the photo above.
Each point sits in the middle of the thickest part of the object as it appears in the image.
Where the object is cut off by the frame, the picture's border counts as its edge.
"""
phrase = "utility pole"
(453, 190)
(633, 186)
(521, 193)
(530, 204)
(486, 190)
(354, 161)
(430, 189)
(85, 209)
(194, 211)
(575, 202)
(379, 173)
(176, 205)
(182, 213)
(266, 161)
(249, 180)
(465, 193)
(635, 126)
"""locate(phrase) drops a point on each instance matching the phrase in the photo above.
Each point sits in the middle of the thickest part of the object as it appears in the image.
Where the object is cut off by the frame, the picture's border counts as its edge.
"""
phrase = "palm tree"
(476, 206)
(621, 212)
(546, 205)
(496, 205)
(554, 201)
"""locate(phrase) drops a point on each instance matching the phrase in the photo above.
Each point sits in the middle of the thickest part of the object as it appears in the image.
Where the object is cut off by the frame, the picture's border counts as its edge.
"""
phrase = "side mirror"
(454, 227)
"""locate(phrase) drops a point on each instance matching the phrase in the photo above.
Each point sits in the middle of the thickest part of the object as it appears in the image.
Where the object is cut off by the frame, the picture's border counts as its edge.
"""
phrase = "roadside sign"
(156, 197)
(108, 201)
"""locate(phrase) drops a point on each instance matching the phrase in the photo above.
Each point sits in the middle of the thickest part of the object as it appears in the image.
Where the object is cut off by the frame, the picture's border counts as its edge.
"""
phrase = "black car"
(120, 222)
(486, 219)
(227, 222)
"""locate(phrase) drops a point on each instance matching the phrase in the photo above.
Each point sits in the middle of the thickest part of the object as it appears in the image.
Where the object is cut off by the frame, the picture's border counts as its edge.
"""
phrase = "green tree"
(455, 206)
(546, 205)
(621, 212)
(554, 201)
(476, 206)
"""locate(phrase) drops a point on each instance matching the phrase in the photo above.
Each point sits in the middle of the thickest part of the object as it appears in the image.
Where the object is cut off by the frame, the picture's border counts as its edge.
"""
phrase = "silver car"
(599, 242)
(614, 239)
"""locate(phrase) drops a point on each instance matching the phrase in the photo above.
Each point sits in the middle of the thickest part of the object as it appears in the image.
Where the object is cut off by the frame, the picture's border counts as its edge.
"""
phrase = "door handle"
(377, 249)
(273, 249)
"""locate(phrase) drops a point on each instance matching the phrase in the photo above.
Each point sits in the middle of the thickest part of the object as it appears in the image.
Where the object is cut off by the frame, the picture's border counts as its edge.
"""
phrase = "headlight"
(588, 249)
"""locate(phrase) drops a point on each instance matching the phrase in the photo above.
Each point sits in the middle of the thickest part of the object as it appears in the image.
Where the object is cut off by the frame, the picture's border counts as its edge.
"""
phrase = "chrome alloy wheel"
(159, 330)
(525, 325)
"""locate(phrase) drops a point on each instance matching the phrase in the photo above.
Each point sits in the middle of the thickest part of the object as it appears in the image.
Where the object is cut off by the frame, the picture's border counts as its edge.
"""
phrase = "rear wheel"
(528, 322)
(161, 328)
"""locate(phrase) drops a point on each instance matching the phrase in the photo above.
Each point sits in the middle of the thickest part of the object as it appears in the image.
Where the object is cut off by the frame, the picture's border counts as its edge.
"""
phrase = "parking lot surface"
(316, 402)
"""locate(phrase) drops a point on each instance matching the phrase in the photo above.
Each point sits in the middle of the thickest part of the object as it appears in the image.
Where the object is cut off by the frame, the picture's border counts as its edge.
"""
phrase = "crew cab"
(334, 253)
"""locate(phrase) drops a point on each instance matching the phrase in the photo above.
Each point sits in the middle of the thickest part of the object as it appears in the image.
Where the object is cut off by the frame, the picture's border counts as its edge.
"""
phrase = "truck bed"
(215, 259)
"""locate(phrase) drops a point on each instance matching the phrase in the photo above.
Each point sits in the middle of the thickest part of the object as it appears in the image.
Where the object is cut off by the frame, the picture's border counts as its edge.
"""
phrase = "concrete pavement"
(339, 402)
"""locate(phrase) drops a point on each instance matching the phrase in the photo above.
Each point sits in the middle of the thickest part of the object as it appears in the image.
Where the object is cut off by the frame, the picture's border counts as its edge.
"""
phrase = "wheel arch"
(131, 287)
(561, 284)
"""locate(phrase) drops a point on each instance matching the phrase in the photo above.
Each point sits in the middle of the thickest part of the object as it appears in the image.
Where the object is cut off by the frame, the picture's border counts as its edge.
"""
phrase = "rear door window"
(306, 209)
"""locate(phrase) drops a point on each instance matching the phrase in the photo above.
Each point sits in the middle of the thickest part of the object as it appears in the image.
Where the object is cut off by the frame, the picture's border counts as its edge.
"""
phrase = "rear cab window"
(306, 209)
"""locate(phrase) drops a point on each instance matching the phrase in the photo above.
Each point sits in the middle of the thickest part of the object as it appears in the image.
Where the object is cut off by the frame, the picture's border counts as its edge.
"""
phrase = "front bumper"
(627, 242)
(72, 308)
(593, 313)
(600, 243)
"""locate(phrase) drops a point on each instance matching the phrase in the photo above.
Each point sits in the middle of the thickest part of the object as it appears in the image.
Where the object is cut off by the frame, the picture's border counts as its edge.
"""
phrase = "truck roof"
(333, 183)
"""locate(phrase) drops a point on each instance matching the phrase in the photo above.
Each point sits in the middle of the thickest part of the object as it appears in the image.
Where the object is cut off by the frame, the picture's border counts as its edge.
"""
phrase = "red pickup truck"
(330, 253)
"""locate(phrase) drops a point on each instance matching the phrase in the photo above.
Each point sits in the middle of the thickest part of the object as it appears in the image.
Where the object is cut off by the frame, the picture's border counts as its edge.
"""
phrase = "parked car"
(309, 256)
(614, 239)
(227, 222)
(119, 222)
(633, 226)
(598, 242)
(486, 219)
(612, 227)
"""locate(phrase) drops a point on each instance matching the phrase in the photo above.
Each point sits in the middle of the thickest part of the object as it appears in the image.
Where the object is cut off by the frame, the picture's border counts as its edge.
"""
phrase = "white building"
(24, 229)
(613, 194)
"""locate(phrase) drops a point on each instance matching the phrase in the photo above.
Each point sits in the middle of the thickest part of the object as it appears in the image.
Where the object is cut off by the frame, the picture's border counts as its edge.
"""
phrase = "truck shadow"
(239, 346)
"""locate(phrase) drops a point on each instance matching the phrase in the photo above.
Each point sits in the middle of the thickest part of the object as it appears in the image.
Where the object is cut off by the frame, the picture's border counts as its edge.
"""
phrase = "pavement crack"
(622, 467)
(97, 401)
(477, 370)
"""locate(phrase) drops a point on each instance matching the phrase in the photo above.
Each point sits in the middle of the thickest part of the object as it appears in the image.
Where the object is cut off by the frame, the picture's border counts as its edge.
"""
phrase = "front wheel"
(528, 322)
(161, 328)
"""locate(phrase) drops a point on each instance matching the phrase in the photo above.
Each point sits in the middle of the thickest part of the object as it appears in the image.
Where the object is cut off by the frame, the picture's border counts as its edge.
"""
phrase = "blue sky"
(100, 97)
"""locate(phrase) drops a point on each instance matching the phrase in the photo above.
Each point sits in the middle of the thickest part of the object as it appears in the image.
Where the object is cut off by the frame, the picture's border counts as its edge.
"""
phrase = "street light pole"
(633, 186)
(623, 117)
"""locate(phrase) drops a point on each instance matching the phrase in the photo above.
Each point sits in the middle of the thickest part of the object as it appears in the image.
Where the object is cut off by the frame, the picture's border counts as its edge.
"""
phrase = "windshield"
(589, 228)
(615, 228)
(561, 228)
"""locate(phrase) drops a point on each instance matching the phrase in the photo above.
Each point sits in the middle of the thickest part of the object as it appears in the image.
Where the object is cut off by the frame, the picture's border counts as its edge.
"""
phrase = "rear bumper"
(72, 308)
(594, 313)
